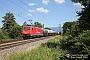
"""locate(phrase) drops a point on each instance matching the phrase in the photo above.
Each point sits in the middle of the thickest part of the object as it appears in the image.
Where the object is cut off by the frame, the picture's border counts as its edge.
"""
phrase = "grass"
(46, 51)
(8, 39)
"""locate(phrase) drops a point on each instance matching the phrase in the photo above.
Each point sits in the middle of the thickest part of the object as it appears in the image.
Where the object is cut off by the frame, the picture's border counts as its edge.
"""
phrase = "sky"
(51, 13)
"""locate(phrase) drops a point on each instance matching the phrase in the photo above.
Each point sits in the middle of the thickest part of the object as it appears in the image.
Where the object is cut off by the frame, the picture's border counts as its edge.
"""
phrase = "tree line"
(78, 32)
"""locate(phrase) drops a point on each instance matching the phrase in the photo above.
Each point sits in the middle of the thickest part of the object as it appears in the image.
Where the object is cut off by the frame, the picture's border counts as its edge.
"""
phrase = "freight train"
(31, 32)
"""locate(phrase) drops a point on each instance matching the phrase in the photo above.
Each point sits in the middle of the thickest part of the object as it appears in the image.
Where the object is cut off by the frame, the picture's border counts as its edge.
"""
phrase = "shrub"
(77, 45)
(15, 32)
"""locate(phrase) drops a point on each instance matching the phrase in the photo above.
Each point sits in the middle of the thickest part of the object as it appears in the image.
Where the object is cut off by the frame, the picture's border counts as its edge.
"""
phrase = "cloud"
(32, 4)
(78, 4)
(45, 2)
(59, 1)
(42, 10)
(32, 11)
(29, 14)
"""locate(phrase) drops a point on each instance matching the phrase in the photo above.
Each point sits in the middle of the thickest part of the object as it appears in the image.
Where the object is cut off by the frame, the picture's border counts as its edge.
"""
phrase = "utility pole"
(43, 25)
(60, 29)
(30, 21)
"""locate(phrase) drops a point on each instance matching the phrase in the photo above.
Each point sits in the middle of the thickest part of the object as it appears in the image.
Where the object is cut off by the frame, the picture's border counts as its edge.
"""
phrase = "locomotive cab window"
(32, 28)
(26, 28)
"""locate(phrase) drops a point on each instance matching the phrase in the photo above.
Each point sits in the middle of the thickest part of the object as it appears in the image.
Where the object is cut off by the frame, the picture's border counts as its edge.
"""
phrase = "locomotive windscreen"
(26, 28)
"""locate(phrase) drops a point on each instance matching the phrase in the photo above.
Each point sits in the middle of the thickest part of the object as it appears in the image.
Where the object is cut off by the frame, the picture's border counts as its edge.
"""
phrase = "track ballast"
(20, 42)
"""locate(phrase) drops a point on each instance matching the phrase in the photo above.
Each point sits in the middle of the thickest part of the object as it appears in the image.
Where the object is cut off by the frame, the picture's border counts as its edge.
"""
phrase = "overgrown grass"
(47, 51)
(9, 39)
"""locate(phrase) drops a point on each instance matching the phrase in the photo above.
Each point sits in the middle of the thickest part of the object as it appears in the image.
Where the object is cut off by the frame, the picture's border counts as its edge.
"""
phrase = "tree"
(10, 26)
(1, 35)
(84, 14)
(85, 3)
(9, 21)
(24, 24)
(78, 43)
(71, 28)
(75, 29)
(15, 32)
(67, 27)
(47, 28)
(37, 24)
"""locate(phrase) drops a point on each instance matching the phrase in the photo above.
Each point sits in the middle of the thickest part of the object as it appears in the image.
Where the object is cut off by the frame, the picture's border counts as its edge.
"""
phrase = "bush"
(77, 45)
(3, 36)
(15, 32)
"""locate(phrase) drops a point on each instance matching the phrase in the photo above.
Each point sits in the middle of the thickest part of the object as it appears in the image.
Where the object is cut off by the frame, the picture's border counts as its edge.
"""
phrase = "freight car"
(31, 32)
(47, 32)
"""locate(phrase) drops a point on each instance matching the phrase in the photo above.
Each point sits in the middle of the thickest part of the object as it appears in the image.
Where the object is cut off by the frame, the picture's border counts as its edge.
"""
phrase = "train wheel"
(24, 38)
(38, 36)
(32, 37)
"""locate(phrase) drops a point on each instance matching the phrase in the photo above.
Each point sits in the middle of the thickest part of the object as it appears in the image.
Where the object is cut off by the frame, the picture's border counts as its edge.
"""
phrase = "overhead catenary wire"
(29, 7)
(39, 13)
(22, 7)
(26, 10)
(12, 9)
(3, 9)
(36, 11)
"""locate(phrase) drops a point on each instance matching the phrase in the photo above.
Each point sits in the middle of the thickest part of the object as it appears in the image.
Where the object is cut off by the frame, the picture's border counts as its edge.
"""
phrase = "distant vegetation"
(47, 28)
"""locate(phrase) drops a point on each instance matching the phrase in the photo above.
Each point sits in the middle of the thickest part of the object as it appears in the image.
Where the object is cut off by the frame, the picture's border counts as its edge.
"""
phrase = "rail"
(21, 42)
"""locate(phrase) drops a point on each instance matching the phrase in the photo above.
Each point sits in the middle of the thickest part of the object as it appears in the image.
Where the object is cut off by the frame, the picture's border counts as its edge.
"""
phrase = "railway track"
(21, 42)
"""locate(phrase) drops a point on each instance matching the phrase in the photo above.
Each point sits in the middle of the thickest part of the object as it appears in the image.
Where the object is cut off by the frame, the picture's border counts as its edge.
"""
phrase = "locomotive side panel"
(38, 31)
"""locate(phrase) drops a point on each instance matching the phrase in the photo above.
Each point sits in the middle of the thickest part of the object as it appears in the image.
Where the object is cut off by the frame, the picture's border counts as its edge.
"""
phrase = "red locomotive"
(31, 32)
